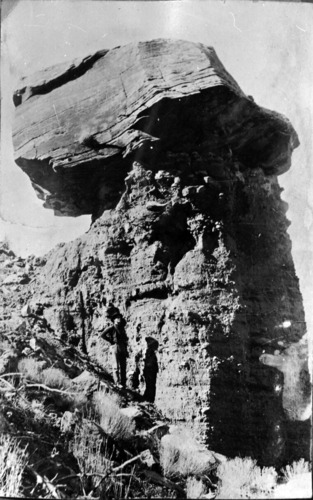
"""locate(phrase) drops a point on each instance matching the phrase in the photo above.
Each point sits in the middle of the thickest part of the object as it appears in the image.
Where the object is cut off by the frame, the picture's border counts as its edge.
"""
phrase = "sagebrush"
(13, 460)
(113, 422)
(242, 478)
(181, 455)
(97, 467)
(88, 451)
(195, 488)
(54, 377)
(296, 468)
(30, 368)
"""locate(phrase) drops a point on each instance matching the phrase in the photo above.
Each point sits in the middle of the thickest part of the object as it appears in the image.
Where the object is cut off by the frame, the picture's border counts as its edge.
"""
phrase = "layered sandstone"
(79, 127)
(189, 236)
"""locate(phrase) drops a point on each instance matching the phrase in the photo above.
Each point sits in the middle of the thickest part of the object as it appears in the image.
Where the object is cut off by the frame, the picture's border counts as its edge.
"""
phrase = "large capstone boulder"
(79, 126)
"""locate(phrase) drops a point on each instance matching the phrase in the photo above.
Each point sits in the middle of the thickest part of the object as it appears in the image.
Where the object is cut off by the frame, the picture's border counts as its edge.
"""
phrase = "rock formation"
(178, 168)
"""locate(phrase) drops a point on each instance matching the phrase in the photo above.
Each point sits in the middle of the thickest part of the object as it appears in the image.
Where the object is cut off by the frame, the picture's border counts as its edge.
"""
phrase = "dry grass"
(119, 488)
(13, 460)
(52, 377)
(297, 481)
(242, 478)
(113, 422)
(39, 413)
(95, 464)
(55, 378)
(296, 468)
(195, 488)
(77, 401)
(87, 451)
(30, 368)
(181, 455)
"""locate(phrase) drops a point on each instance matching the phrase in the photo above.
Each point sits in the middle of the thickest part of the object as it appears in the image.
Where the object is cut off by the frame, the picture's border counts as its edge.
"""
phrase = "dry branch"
(46, 483)
(43, 386)
(10, 374)
(8, 383)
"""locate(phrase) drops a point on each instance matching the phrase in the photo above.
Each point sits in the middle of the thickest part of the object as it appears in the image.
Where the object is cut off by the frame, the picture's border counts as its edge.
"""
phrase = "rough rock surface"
(56, 418)
(189, 236)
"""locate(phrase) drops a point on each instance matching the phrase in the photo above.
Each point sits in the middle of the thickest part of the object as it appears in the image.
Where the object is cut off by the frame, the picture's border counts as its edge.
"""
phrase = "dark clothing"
(119, 364)
(151, 362)
(149, 394)
(136, 375)
(118, 338)
(150, 372)
(115, 335)
(134, 379)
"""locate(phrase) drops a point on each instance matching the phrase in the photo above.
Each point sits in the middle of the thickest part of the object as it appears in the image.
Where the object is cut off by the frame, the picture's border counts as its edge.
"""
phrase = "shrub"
(113, 422)
(13, 460)
(119, 488)
(77, 401)
(94, 460)
(242, 478)
(55, 378)
(52, 377)
(181, 454)
(33, 410)
(30, 368)
(297, 481)
(195, 488)
(87, 450)
(296, 468)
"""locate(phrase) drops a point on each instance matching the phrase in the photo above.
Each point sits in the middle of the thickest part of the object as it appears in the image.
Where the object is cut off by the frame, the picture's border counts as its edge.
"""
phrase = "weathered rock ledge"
(144, 101)
(189, 236)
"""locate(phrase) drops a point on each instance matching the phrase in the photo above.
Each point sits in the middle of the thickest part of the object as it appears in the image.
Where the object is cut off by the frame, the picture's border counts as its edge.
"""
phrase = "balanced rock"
(202, 264)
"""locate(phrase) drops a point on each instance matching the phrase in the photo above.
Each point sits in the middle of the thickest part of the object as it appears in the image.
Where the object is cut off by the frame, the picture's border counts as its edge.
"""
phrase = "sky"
(266, 46)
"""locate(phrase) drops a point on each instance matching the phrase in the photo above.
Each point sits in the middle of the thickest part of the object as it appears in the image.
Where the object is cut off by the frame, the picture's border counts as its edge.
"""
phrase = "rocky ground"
(72, 433)
(82, 434)
(85, 437)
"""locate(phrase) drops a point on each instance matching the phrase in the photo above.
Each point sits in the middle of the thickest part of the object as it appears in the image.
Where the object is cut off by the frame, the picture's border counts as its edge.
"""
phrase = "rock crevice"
(46, 82)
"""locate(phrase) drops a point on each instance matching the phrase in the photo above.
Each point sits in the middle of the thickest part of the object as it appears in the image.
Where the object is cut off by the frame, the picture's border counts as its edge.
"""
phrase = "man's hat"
(151, 342)
(116, 315)
(111, 310)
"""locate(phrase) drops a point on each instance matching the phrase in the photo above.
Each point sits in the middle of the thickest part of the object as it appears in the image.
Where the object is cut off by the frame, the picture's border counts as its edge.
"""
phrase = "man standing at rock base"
(116, 335)
(151, 369)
